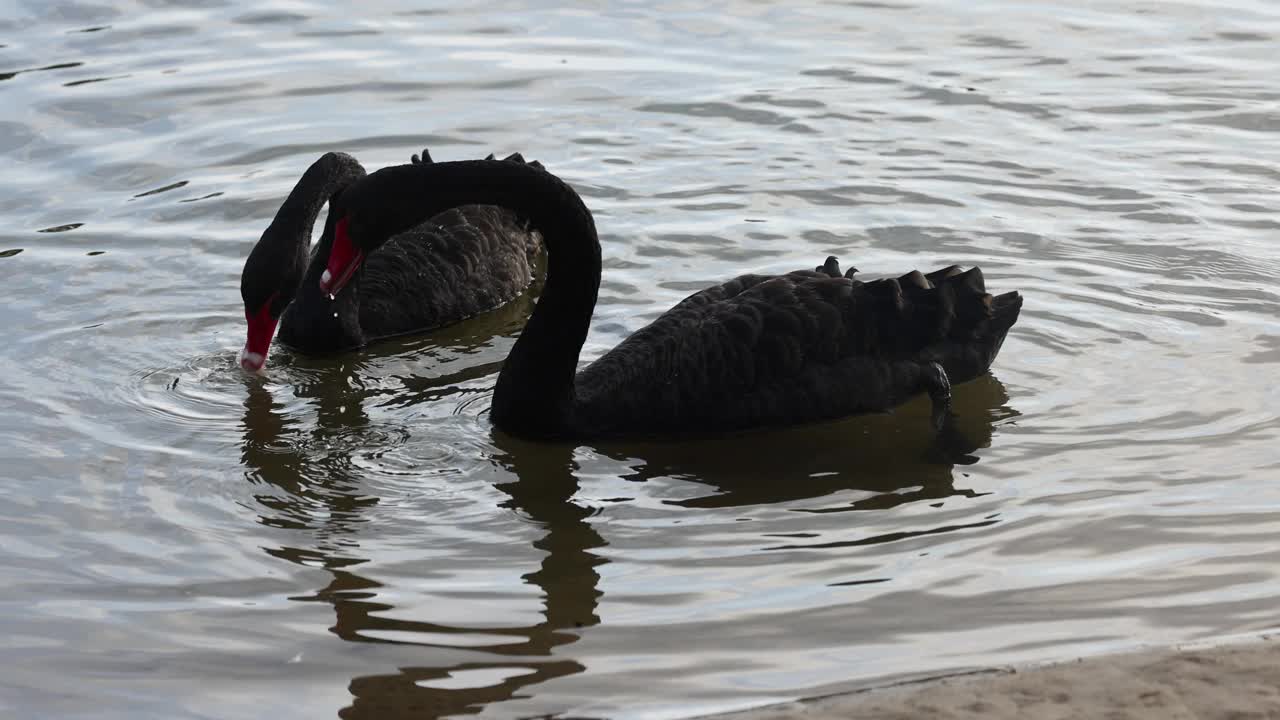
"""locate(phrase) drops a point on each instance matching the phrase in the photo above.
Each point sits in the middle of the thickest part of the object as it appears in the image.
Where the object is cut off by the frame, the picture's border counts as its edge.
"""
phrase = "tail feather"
(915, 279)
(943, 316)
(937, 276)
(1005, 311)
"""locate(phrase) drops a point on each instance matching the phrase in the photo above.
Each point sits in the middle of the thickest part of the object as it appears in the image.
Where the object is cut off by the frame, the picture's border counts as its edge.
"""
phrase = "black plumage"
(448, 267)
(756, 351)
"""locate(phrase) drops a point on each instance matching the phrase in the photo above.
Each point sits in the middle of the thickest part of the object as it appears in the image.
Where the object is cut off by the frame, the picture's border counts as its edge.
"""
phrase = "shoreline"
(1235, 677)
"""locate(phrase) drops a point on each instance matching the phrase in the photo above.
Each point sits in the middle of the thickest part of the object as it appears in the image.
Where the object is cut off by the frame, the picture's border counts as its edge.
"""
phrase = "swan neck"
(534, 396)
(282, 258)
(296, 218)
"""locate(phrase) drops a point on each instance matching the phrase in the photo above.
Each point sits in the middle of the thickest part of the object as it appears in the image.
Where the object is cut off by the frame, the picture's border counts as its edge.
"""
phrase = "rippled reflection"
(895, 455)
(316, 493)
(543, 489)
(881, 455)
(313, 495)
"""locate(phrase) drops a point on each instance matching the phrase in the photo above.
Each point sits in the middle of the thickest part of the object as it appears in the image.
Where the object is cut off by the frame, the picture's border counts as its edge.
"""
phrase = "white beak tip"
(251, 361)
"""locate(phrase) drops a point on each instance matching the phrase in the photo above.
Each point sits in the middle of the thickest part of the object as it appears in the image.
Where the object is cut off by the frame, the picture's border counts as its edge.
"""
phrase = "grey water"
(346, 536)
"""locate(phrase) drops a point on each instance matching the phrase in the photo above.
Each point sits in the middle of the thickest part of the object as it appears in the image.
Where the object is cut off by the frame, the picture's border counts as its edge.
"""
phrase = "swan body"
(774, 350)
(756, 351)
(449, 266)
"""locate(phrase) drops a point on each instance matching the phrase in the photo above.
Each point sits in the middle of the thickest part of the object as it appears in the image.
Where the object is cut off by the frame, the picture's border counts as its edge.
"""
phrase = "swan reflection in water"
(893, 455)
(893, 458)
(330, 503)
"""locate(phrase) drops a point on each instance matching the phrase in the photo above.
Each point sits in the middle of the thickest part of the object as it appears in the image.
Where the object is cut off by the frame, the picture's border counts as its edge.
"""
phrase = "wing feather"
(807, 345)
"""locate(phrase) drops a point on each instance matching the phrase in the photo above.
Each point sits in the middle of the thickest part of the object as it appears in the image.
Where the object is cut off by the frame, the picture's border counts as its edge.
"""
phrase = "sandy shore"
(1238, 681)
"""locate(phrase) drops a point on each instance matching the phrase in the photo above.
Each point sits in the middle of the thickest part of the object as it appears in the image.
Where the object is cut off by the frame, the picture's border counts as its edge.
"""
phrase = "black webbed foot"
(490, 156)
(515, 157)
(424, 160)
(951, 447)
(938, 386)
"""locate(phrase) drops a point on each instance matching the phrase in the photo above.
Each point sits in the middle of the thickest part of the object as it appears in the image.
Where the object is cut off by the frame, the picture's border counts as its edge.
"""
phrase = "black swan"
(757, 351)
(437, 272)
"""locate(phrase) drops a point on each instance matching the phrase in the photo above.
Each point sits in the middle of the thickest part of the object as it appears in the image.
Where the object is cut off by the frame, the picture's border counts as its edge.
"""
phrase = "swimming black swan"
(441, 270)
(757, 351)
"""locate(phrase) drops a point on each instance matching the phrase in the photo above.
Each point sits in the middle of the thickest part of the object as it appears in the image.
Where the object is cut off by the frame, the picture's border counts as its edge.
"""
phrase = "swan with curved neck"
(439, 270)
(756, 351)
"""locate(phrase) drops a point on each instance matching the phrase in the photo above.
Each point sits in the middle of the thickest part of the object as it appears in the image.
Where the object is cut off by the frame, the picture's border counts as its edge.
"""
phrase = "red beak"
(262, 327)
(344, 260)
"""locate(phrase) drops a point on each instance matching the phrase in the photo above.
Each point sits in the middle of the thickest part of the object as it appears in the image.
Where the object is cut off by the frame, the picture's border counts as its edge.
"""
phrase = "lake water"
(347, 536)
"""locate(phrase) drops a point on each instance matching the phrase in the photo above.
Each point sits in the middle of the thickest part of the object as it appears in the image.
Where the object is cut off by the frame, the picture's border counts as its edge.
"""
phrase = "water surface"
(348, 536)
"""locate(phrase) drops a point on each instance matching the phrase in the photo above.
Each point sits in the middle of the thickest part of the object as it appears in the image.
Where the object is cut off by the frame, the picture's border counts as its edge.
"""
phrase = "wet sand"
(1236, 681)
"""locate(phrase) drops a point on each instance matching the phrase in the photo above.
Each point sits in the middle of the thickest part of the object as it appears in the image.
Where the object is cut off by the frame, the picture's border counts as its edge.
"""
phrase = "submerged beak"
(262, 327)
(344, 260)
(251, 361)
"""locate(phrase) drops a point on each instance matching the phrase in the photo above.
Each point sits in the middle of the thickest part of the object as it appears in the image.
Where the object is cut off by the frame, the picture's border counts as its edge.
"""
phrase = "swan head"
(271, 278)
(370, 211)
(262, 319)
(345, 258)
